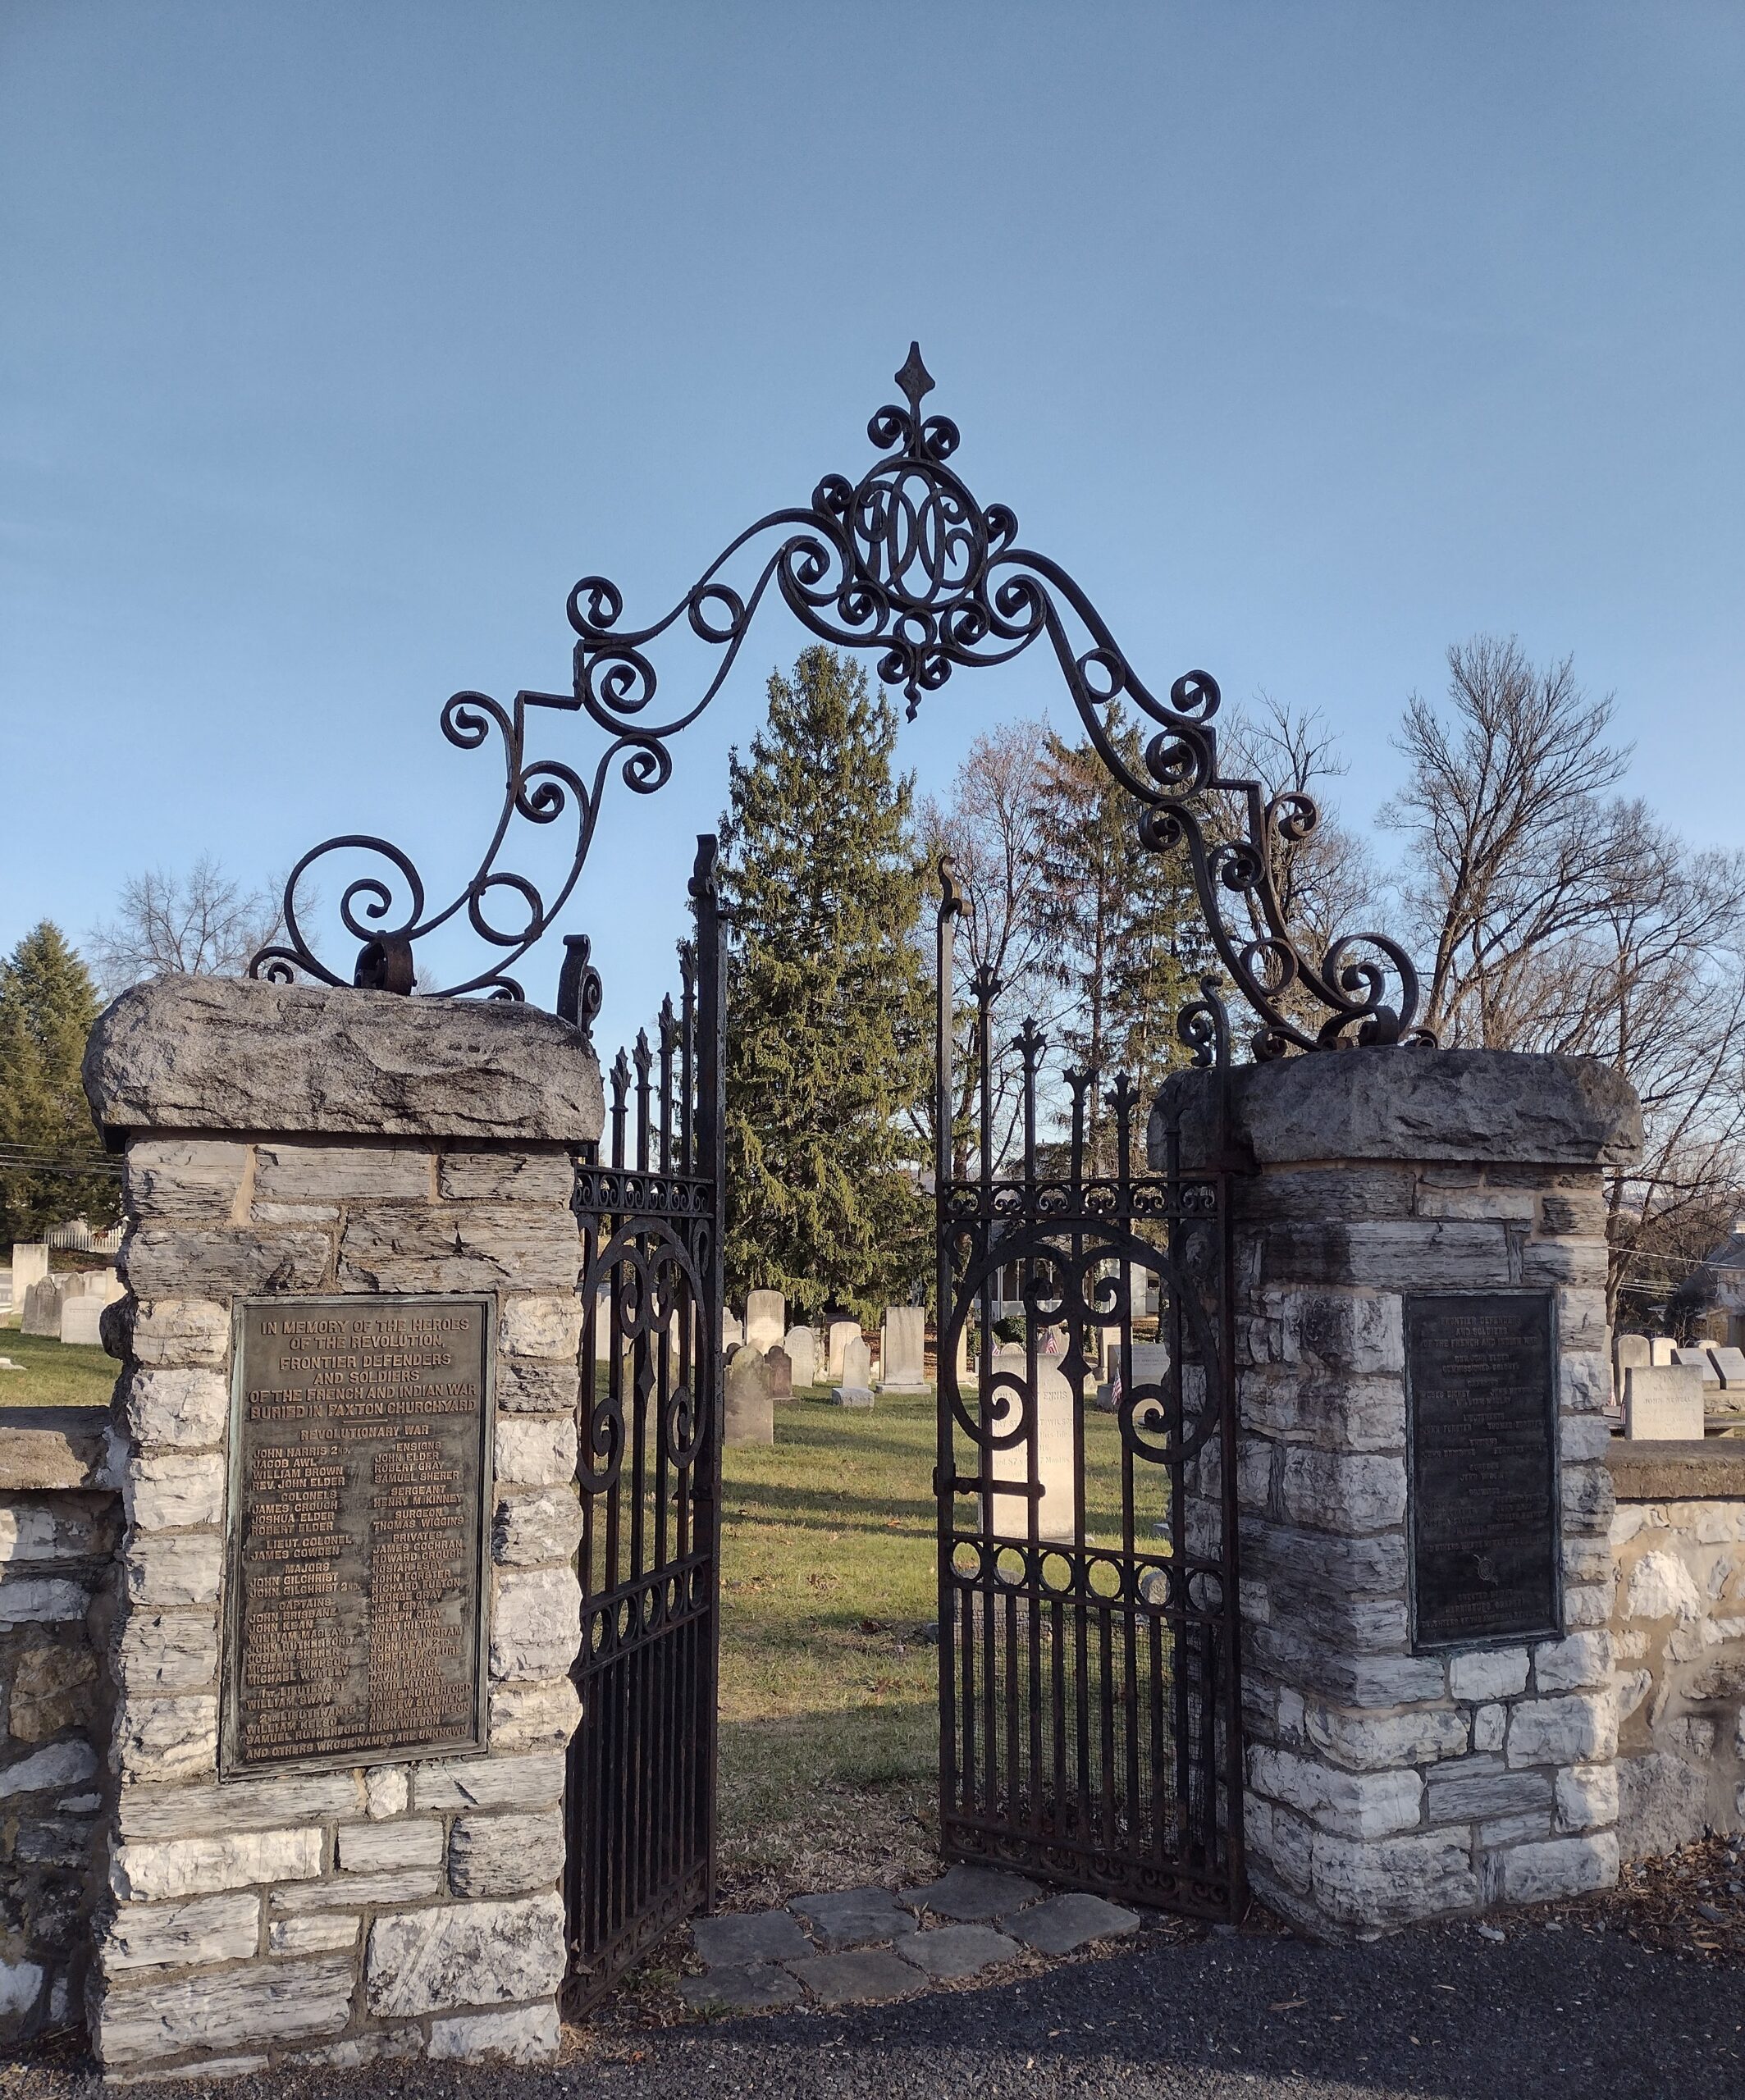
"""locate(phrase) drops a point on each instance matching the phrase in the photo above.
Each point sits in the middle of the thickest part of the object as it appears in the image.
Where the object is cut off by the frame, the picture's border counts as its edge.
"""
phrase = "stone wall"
(1386, 1786)
(1678, 1626)
(57, 1535)
(284, 1140)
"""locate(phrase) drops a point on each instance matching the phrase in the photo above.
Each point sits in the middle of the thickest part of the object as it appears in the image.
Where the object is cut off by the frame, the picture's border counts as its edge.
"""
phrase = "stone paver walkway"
(867, 1946)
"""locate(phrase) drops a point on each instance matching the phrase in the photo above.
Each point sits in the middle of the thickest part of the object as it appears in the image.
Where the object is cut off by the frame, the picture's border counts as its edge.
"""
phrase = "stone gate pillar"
(1423, 1359)
(344, 1435)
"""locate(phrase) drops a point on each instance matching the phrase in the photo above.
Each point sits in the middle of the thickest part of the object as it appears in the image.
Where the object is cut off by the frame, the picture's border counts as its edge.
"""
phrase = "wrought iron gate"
(642, 1815)
(1089, 1681)
(1089, 1717)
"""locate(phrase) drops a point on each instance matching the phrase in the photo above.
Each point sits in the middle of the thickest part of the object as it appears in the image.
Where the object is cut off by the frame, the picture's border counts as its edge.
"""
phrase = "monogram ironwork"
(906, 561)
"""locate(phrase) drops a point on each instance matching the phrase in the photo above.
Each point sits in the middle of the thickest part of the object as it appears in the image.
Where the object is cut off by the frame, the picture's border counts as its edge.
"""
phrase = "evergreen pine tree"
(1116, 919)
(827, 1000)
(47, 1006)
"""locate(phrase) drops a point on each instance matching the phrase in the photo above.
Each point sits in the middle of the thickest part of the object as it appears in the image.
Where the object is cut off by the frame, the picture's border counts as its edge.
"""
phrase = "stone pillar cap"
(1456, 1106)
(238, 1054)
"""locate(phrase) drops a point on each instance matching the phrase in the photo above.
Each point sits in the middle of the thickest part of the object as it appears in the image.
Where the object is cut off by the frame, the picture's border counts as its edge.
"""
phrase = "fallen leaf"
(1287, 2005)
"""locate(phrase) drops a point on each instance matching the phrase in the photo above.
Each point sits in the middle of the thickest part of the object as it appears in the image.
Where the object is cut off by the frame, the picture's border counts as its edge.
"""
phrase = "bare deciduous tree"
(202, 923)
(1513, 852)
(1554, 917)
(993, 830)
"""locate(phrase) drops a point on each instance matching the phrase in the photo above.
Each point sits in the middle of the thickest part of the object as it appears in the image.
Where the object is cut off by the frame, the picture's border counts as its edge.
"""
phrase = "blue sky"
(336, 342)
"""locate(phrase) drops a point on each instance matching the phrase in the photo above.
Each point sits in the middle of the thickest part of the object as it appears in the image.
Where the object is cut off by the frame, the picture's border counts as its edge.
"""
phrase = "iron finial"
(915, 380)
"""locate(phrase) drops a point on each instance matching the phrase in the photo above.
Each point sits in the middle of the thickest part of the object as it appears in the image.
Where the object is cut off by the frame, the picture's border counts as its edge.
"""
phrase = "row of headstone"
(69, 1307)
(1672, 1391)
(902, 1365)
(1669, 1391)
(1722, 1368)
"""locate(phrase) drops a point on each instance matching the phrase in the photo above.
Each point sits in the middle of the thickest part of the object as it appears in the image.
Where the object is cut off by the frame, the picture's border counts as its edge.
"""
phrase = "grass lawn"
(55, 1374)
(829, 1684)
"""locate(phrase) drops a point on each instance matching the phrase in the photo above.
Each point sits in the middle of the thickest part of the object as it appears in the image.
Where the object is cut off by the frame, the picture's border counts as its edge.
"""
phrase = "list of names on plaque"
(362, 1476)
(1485, 1529)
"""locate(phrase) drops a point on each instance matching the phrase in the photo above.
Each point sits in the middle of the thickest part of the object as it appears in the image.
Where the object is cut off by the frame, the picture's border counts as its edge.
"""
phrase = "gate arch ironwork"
(906, 562)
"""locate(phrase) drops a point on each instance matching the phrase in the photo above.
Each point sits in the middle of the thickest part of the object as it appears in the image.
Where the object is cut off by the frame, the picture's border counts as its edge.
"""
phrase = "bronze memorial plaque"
(360, 1498)
(1487, 1531)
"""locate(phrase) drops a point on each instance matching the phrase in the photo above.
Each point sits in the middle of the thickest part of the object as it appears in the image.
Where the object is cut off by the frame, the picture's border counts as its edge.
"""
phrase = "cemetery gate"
(1087, 1567)
(642, 1762)
(1089, 1727)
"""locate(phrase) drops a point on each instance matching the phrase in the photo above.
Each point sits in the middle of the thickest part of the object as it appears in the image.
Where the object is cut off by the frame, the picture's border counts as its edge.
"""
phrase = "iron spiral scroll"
(905, 561)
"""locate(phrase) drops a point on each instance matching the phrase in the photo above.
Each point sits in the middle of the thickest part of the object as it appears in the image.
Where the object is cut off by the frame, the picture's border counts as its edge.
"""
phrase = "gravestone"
(854, 1389)
(840, 1334)
(1629, 1353)
(749, 1414)
(81, 1320)
(1729, 1367)
(1055, 1516)
(1699, 1360)
(30, 1266)
(1149, 1362)
(41, 1310)
(732, 1333)
(1662, 1350)
(766, 1319)
(1662, 1403)
(778, 1364)
(903, 1363)
(802, 1345)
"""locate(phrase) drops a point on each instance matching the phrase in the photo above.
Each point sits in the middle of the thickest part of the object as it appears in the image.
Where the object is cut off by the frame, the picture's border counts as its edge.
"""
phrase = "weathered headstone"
(41, 1310)
(1661, 1351)
(81, 1320)
(1054, 1453)
(30, 1266)
(903, 1359)
(778, 1364)
(749, 1415)
(1698, 1359)
(1729, 1367)
(802, 1345)
(766, 1319)
(1629, 1353)
(733, 1332)
(855, 1388)
(1662, 1402)
(840, 1334)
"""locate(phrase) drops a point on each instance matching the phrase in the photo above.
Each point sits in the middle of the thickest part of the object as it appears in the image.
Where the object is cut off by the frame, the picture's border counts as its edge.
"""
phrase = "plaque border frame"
(1554, 1408)
(229, 1614)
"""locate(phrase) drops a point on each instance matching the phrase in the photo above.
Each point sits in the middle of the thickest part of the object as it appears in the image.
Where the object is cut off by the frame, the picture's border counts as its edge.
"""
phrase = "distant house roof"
(1730, 1253)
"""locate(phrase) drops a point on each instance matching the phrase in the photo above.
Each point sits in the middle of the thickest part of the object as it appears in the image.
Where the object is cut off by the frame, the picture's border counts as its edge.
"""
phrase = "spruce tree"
(47, 1006)
(1117, 920)
(827, 1000)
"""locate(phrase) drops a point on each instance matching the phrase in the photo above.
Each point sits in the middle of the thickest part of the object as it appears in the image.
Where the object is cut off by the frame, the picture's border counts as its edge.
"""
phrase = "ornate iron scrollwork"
(907, 562)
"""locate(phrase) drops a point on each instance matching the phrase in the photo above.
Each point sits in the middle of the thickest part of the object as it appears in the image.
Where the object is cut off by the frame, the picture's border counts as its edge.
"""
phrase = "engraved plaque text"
(360, 1456)
(1480, 1381)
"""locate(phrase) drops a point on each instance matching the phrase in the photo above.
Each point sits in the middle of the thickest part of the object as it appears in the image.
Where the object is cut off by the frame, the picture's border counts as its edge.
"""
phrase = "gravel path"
(1429, 2013)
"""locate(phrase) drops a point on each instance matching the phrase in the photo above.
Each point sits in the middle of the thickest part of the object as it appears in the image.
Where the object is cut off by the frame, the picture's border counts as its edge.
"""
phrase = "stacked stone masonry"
(1678, 1626)
(1384, 1785)
(59, 1531)
(402, 1909)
